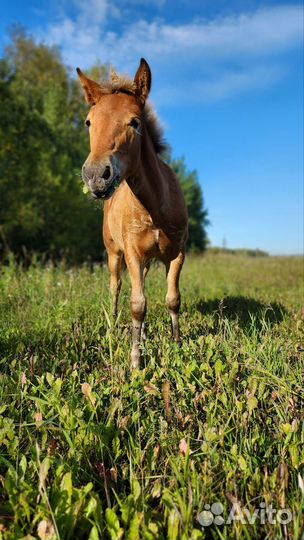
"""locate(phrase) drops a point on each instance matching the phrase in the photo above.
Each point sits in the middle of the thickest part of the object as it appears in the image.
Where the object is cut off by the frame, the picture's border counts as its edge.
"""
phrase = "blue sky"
(228, 87)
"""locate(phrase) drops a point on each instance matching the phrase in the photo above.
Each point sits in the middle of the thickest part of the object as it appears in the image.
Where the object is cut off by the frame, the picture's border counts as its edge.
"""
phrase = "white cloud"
(263, 32)
(203, 50)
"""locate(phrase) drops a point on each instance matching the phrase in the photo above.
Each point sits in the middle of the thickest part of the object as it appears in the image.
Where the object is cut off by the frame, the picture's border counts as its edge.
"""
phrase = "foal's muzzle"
(101, 178)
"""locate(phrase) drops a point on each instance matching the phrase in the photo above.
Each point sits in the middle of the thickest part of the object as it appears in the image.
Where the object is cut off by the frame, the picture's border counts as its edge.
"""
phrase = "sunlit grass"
(89, 450)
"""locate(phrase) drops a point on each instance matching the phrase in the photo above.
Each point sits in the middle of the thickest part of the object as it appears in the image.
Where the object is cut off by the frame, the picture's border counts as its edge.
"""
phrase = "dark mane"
(126, 86)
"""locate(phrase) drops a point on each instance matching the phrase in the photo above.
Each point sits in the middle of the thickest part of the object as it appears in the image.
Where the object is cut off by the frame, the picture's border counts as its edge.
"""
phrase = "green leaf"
(113, 525)
(57, 385)
(136, 489)
(49, 378)
(23, 464)
(25, 506)
(91, 507)
(294, 454)
(128, 509)
(286, 428)
(234, 450)
(133, 532)
(196, 534)
(157, 489)
(43, 471)
(94, 533)
(242, 463)
(173, 524)
(87, 488)
(218, 366)
(252, 403)
(67, 486)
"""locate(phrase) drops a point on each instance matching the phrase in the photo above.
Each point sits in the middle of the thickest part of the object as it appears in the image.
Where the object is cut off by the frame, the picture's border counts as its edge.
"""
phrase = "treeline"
(43, 144)
(245, 252)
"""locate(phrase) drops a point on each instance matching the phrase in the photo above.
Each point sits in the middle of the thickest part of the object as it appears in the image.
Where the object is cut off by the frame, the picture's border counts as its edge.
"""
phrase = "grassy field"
(88, 450)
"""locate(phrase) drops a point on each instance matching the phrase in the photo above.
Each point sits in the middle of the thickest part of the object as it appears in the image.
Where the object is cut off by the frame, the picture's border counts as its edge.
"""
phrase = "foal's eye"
(135, 124)
(87, 123)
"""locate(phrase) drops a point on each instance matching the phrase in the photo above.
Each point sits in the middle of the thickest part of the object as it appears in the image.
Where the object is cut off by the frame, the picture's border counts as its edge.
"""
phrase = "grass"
(88, 450)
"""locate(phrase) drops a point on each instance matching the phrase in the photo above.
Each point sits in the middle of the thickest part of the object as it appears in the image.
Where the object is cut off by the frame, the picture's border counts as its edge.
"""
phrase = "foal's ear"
(142, 80)
(92, 90)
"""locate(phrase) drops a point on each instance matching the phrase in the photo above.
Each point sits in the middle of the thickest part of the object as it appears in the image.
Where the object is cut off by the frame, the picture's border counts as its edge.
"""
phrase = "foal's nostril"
(106, 173)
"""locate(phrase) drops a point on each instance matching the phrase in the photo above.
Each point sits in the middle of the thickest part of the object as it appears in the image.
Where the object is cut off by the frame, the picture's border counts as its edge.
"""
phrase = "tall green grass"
(89, 450)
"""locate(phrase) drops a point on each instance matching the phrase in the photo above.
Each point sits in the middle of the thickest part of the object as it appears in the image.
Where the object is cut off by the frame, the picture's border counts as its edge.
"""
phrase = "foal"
(145, 215)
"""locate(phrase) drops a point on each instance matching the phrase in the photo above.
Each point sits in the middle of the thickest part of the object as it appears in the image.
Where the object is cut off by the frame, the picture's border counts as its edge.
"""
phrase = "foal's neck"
(149, 183)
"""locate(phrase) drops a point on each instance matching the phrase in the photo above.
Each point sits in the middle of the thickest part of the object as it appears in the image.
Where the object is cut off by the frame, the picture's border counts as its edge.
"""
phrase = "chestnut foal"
(145, 215)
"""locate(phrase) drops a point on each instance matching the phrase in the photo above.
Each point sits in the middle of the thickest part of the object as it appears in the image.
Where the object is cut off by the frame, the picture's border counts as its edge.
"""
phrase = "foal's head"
(115, 124)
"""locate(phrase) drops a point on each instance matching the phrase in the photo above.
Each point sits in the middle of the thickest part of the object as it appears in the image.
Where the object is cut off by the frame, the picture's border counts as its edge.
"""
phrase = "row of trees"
(43, 144)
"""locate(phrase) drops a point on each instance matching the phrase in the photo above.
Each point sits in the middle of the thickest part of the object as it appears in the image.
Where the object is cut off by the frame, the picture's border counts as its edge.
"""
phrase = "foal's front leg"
(115, 267)
(138, 305)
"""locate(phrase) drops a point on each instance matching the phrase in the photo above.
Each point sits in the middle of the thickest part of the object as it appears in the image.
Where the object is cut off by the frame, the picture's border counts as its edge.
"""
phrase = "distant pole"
(224, 243)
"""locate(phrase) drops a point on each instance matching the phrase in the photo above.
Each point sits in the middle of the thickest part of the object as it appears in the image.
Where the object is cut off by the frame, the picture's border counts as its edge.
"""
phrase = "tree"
(192, 190)
(43, 146)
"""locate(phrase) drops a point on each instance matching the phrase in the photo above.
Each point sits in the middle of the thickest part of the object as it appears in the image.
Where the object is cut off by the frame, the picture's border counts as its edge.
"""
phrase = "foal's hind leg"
(144, 326)
(173, 297)
(115, 267)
